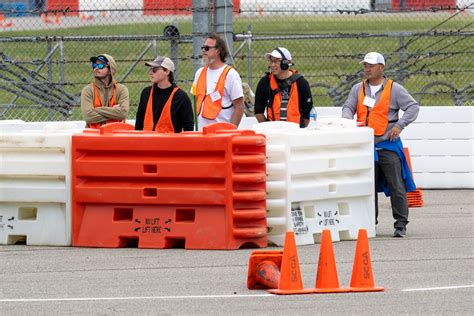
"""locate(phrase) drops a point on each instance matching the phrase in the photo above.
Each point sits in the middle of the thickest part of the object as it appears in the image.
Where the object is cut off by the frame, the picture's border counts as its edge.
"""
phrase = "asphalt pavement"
(431, 271)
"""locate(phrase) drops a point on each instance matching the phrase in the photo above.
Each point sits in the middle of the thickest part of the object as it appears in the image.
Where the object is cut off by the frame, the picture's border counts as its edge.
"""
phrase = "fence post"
(171, 32)
(50, 72)
(154, 49)
(62, 61)
(200, 29)
(402, 60)
(223, 24)
(249, 54)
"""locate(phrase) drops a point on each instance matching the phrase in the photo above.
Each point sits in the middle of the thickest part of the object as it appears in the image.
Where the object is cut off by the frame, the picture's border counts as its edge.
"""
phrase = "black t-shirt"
(262, 96)
(181, 110)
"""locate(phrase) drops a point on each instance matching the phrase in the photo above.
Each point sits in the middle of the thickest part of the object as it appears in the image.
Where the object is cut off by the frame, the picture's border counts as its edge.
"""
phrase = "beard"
(205, 61)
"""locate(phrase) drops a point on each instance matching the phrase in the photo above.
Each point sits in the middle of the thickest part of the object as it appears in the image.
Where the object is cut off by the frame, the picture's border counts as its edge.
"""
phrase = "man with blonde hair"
(104, 100)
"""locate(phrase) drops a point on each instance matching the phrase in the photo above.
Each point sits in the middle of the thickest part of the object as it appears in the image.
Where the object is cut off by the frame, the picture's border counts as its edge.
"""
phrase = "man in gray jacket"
(104, 100)
(377, 102)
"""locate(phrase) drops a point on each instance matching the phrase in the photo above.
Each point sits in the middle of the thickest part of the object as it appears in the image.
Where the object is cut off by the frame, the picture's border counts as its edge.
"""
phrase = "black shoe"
(400, 232)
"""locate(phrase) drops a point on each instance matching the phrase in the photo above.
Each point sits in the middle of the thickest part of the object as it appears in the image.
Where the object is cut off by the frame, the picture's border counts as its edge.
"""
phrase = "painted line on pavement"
(67, 299)
(71, 299)
(439, 288)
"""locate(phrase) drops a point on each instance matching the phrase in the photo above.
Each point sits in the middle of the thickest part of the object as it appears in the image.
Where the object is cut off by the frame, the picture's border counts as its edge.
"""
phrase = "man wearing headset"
(283, 93)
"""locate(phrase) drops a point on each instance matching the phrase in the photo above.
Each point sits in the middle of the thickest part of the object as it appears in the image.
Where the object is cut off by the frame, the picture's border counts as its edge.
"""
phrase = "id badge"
(369, 102)
(215, 96)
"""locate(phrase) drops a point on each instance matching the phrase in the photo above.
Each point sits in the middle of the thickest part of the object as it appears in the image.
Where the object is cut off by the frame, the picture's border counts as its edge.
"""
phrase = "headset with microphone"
(284, 63)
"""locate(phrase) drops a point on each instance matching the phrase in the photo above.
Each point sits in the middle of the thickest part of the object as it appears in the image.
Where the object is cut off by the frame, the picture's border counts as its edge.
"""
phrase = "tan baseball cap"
(161, 61)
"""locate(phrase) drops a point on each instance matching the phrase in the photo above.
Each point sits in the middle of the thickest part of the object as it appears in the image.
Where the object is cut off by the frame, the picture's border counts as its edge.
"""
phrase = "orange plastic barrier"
(175, 7)
(193, 190)
(69, 7)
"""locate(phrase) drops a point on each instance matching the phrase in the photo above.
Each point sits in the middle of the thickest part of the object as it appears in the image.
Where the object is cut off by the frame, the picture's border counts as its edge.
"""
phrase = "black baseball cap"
(100, 58)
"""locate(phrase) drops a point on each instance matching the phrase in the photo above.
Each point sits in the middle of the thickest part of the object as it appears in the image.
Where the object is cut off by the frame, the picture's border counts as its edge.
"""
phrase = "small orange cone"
(326, 278)
(362, 277)
(264, 269)
(85, 17)
(57, 18)
(45, 18)
(414, 198)
(278, 271)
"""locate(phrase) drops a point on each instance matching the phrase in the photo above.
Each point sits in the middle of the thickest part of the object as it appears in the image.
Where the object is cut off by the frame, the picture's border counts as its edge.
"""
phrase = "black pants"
(390, 166)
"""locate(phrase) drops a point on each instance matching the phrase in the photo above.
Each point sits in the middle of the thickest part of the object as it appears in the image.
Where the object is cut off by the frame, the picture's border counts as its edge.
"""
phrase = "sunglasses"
(207, 48)
(100, 66)
(155, 69)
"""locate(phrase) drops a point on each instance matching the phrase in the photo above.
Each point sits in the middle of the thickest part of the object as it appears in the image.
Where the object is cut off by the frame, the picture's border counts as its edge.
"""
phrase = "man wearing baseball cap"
(283, 93)
(104, 100)
(164, 107)
(377, 102)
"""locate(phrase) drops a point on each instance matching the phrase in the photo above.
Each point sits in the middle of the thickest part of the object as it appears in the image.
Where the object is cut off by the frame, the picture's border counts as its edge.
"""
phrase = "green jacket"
(105, 112)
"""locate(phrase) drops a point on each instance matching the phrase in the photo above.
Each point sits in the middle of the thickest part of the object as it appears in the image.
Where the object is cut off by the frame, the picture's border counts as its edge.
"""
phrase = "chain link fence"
(45, 46)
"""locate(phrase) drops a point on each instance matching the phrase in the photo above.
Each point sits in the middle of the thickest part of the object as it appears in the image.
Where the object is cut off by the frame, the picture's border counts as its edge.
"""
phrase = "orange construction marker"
(326, 278)
(362, 277)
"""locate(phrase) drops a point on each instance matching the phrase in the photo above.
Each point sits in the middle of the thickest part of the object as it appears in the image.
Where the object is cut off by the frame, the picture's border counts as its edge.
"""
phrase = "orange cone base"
(291, 292)
(367, 289)
(332, 290)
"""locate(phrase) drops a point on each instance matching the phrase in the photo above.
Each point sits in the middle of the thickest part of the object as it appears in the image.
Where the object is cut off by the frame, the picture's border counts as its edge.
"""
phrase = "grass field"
(328, 61)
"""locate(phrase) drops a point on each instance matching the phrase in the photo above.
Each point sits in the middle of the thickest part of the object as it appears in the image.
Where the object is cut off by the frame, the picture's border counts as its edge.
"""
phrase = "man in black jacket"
(164, 107)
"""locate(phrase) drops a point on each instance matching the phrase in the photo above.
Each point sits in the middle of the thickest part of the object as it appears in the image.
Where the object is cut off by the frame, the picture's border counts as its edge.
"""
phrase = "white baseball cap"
(373, 58)
(162, 61)
(276, 54)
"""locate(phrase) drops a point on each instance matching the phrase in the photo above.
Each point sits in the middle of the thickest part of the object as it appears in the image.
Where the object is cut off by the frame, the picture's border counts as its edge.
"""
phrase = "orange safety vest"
(211, 109)
(165, 124)
(377, 118)
(98, 103)
(293, 108)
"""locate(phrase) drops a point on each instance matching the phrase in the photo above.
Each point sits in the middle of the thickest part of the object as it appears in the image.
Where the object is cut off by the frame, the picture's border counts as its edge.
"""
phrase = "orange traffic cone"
(278, 271)
(85, 17)
(326, 278)
(414, 198)
(264, 269)
(362, 278)
(45, 18)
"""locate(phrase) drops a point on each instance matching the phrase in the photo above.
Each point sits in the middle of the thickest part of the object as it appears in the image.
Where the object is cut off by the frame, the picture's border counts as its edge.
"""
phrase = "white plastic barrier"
(8, 126)
(106, 9)
(441, 145)
(35, 188)
(319, 179)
